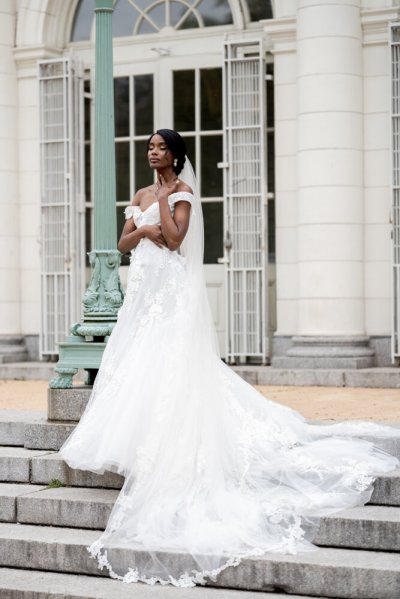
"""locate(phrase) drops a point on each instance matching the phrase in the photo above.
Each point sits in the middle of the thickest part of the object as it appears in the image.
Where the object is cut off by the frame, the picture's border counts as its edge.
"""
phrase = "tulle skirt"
(213, 471)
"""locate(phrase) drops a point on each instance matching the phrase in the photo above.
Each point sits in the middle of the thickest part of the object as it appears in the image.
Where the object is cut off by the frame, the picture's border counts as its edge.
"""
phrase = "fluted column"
(105, 223)
(103, 298)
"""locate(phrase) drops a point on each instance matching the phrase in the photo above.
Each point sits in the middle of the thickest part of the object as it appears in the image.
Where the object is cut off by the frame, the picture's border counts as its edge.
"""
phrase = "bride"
(213, 471)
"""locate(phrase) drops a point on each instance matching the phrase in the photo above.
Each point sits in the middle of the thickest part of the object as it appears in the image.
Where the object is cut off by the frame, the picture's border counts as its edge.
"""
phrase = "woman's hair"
(176, 145)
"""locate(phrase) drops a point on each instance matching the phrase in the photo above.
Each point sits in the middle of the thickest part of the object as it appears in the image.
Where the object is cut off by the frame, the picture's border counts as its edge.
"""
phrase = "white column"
(330, 168)
(9, 211)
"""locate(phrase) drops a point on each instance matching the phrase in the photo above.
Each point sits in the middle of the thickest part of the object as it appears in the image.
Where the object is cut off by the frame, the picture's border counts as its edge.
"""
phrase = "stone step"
(8, 499)
(24, 371)
(13, 424)
(45, 466)
(33, 431)
(366, 527)
(16, 462)
(387, 377)
(340, 573)
(47, 435)
(29, 584)
(48, 467)
(72, 507)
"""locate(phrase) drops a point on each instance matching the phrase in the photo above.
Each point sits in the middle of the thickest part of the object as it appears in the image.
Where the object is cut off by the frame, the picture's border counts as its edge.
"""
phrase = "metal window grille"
(245, 184)
(62, 200)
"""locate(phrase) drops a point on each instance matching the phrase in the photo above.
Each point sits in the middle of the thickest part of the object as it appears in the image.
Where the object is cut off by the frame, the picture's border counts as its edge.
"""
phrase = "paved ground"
(313, 402)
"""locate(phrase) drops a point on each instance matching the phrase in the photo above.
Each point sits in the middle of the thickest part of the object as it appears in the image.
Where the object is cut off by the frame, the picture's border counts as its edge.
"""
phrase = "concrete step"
(33, 431)
(72, 507)
(18, 464)
(367, 527)
(44, 466)
(24, 370)
(13, 424)
(15, 463)
(47, 435)
(8, 499)
(381, 377)
(340, 573)
(48, 467)
(33, 584)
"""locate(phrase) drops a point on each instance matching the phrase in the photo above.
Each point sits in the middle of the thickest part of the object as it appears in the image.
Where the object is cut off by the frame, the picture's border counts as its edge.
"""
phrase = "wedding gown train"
(213, 470)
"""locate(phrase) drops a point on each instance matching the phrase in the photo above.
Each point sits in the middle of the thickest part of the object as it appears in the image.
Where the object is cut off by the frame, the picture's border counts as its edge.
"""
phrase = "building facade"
(288, 110)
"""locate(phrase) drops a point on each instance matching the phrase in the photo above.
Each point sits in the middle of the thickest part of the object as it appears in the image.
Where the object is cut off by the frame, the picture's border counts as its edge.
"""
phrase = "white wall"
(9, 211)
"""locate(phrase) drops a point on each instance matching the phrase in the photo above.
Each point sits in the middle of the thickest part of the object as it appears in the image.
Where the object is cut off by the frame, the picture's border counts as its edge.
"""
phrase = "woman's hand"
(165, 189)
(153, 232)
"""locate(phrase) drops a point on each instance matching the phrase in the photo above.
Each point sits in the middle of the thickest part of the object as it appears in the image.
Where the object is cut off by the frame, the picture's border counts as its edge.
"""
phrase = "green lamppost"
(103, 297)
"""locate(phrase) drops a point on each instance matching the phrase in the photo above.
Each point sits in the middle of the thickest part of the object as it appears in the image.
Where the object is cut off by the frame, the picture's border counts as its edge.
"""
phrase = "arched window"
(133, 17)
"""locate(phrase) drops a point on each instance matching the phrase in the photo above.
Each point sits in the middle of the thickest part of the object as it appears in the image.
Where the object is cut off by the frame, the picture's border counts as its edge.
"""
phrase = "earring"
(175, 162)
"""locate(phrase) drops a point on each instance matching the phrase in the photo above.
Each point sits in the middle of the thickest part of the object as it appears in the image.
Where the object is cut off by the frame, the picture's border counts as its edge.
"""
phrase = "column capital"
(104, 5)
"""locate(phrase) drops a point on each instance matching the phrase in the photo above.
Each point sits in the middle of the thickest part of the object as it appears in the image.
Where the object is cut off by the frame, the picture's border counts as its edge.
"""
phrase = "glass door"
(171, 93)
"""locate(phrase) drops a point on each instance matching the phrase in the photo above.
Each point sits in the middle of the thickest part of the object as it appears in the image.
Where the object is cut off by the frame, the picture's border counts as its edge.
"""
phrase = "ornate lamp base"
(102, 300)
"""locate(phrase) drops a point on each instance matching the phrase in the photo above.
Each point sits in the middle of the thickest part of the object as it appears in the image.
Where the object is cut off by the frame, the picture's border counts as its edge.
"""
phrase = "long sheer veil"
(192, 248)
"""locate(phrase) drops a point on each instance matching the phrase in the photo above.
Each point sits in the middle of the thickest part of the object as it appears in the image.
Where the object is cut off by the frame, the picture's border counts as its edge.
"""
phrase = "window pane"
(260, 9)
(124, 18)
(216, 12)
(211, 175)
(87, 104)
(270, 97)
(88, 172)
(144, 106)
(178, 11)
(122, 171)
(121, 101)
(143, 174)
(213, 231)
(120, 226)
(271, 161)
(88, 234)
(157, 20)
(83, 21)
(184, 99)
(211, 98)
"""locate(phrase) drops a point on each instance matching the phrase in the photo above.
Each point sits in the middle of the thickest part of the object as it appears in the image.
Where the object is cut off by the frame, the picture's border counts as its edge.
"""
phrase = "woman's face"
(158, 153)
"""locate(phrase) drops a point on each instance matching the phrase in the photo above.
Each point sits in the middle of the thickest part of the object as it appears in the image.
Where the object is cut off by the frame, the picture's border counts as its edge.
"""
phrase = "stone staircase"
(49, 513)
(12, 349)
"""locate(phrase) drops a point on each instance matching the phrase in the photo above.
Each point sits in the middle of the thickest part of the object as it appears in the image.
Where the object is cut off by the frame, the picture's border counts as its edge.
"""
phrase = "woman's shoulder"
(140, 194)
(183, 188)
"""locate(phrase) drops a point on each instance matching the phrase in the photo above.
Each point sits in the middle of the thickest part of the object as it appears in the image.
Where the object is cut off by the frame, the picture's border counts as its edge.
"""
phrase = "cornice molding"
(26, 58)
(281, 33)
(375, 24)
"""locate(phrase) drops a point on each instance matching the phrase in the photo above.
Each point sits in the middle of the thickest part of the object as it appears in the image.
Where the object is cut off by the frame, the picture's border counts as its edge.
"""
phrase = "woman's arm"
(131, 235)
(174, 228)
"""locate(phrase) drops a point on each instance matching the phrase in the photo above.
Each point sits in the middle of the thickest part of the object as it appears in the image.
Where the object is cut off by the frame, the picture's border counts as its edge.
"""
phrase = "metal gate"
(62, 199)
(245, 190)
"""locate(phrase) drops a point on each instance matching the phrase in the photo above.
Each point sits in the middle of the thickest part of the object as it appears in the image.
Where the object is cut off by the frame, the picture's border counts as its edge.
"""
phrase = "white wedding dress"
(214, 471)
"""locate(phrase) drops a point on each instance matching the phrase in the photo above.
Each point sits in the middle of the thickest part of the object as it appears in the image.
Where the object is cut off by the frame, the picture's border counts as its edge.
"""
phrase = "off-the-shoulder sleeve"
(179, 196)
(130, 211)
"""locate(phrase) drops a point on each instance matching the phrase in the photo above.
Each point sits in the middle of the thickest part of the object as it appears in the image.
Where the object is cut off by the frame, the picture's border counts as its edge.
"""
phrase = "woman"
(212, 469)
